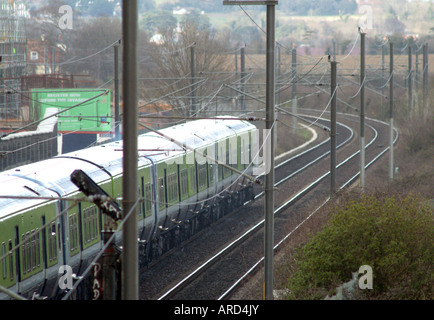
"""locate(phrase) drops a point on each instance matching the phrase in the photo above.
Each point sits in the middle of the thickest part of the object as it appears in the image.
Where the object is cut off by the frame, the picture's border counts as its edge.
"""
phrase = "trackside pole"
(294, 90)
(130, 266)
(333, 130)
(362, 110)
(269, 125)
(269, 178)
(391, 162)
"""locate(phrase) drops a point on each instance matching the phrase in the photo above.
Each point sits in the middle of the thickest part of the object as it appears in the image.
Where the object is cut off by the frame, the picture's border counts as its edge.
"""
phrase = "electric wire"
(89, 56)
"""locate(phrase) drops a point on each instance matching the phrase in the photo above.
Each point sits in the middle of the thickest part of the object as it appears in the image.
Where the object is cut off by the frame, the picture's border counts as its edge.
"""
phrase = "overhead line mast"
(269, 125)
(130, 253)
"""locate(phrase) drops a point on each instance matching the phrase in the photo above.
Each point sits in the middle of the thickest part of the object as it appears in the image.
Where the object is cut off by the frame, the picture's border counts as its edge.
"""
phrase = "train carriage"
(181, 193)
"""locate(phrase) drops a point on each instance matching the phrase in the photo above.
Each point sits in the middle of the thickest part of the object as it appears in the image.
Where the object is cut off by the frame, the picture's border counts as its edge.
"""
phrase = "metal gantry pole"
(294, 90)
(362, 110)
(243, 77)
(333, 85)
(410, 81)
(383, 50)
(270, 142)
(192, 71)
(391, 161)
(425, 76)
(416, 73)
(279, 72)
(236, 76)
(269, 178)
(130, 254)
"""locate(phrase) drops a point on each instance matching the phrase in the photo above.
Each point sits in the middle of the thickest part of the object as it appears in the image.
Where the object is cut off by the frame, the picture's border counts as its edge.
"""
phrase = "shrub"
(393, 236)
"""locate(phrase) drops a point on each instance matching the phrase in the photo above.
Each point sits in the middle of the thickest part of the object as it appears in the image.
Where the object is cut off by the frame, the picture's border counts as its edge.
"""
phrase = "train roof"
(51, 178)
(194, 134)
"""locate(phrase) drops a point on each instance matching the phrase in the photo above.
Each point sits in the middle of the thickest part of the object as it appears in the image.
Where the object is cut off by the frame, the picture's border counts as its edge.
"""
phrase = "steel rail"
(171, 292)
(231, 289)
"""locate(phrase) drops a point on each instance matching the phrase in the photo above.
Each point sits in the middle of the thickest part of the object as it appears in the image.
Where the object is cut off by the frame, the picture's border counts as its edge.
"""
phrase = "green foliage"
(393, 236)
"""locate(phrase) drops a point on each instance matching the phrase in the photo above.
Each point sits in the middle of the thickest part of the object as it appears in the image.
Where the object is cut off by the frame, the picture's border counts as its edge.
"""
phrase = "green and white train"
(43, 226)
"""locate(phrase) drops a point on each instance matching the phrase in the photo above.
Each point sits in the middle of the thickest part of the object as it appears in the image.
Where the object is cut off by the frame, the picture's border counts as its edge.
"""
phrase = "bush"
(393, 236)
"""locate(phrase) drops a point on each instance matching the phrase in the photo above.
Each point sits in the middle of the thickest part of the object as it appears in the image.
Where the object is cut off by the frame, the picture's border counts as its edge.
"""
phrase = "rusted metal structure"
(12, 55)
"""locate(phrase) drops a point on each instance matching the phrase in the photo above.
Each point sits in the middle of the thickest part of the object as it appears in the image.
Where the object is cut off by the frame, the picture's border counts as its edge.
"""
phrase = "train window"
(202, 175)
(24, 251)
(71, 233)
(4, 263)
(211, 174)
(169, 188)
(148, 197)
(172, 187)
(37, 249)
(73, 228)
(161, 193)
(86, 225)
(139, 206)
(52, 242)
(28, 251)
(58, 238)
(33, 249)
(184, 182)
(193, 177)
(235, 158)
(175, 187)
(50, 246)
(90, 224)
(226, 169)
(11, 261)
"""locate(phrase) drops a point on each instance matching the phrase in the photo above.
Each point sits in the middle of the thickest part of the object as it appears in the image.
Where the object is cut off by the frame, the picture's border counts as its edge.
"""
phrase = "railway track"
(218, 275)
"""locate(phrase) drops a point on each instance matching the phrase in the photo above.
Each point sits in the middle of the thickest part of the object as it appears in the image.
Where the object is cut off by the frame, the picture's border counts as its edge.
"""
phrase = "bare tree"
(91, 51)
(171, 72)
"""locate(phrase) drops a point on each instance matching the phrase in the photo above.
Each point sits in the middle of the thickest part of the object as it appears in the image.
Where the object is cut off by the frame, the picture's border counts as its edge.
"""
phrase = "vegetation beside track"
(390, 228)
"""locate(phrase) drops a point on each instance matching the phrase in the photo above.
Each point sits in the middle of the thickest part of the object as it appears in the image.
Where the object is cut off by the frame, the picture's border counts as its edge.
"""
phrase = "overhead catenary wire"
(89, 56)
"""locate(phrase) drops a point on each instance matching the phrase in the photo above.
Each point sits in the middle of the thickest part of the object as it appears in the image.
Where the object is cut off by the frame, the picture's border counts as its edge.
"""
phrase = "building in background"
(12, 57)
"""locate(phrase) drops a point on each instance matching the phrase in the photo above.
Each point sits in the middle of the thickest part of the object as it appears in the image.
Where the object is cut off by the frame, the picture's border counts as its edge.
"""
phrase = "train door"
(17, 255)
(44, 244)
(60, 221)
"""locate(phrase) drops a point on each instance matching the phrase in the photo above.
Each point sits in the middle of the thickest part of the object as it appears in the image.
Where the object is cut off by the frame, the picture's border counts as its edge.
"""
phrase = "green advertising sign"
(86, 111)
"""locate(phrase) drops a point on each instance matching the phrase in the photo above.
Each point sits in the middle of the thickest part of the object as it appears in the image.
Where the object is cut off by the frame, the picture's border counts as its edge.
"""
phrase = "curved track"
(214, 265)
